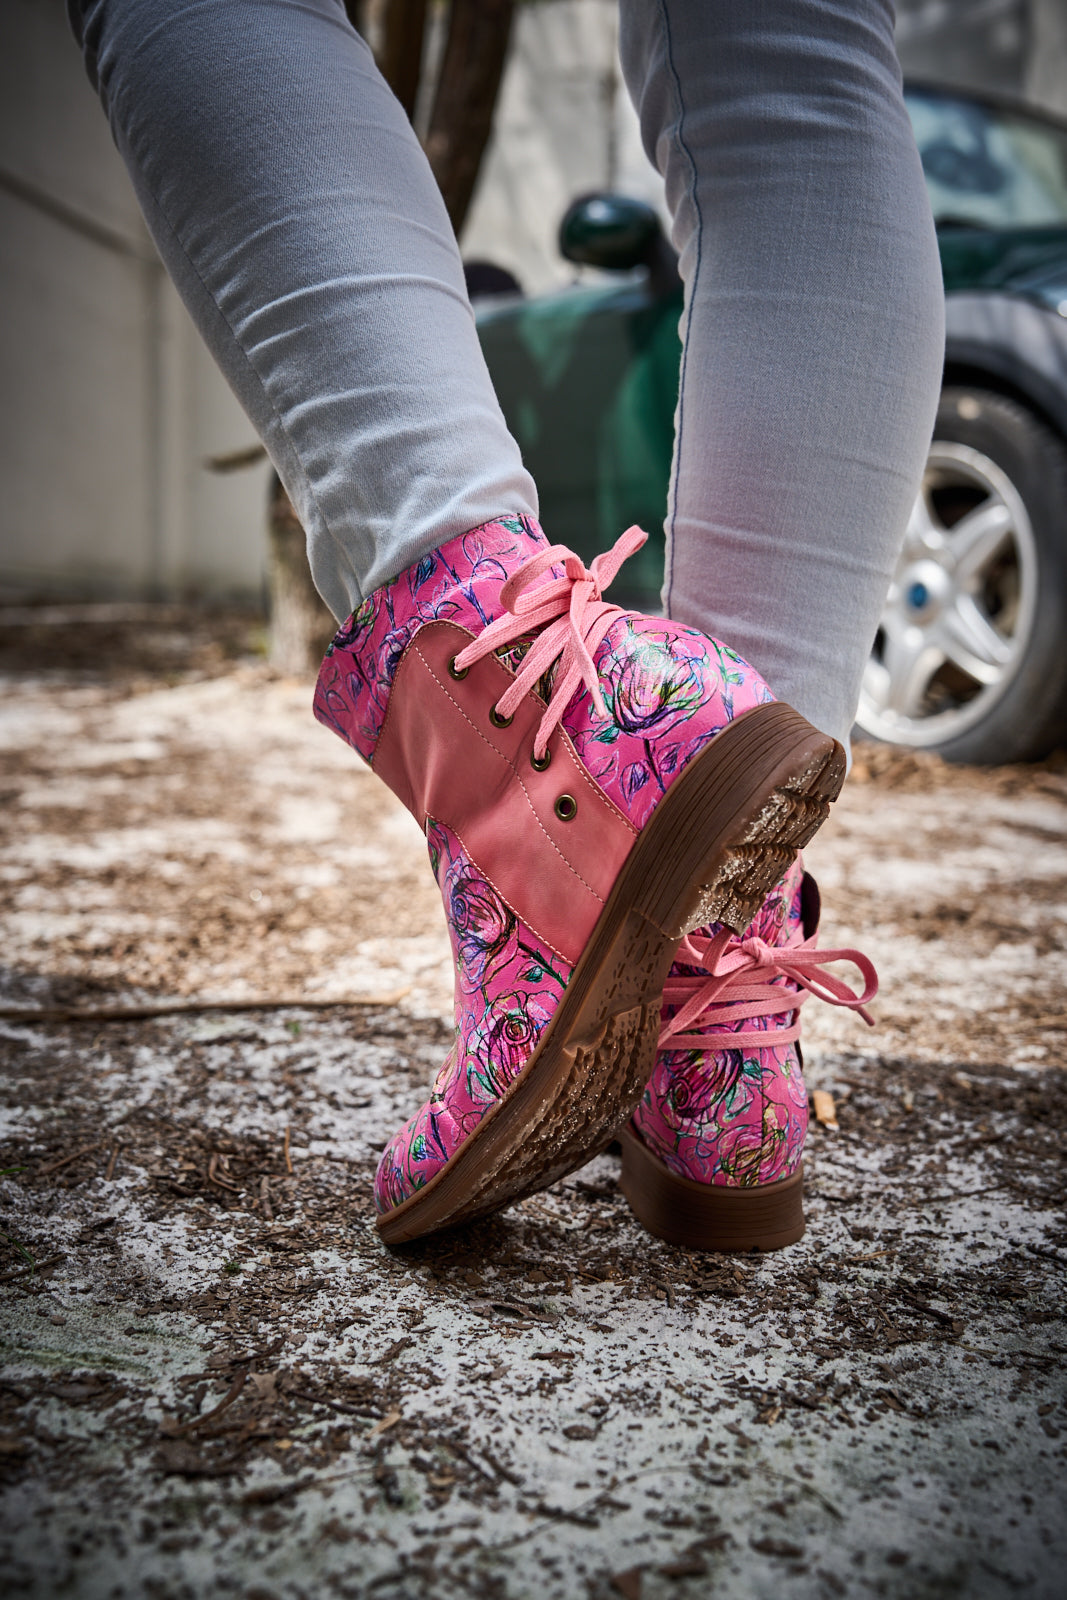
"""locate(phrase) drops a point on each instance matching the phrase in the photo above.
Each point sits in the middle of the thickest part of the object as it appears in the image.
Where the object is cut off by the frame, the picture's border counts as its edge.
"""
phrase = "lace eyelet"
(457, 672)
(539, 765)
(566, 807)
(497, 720)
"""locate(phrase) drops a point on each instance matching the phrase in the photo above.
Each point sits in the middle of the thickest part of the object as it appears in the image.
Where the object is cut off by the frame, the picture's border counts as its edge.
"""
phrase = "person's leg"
(297, 214)
(591, 782)
(812, 330)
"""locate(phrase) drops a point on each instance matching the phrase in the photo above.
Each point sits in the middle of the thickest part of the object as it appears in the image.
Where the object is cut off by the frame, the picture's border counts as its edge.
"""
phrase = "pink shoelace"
(577, 620)
(740, 983)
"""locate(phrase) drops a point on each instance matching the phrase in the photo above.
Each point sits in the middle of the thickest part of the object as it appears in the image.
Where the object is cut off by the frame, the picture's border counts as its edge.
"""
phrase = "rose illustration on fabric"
(481, 925)
(668, 691)
(501, 1045)
(696, 1085)
(357, 624)
(651, 683)
(753, 1152)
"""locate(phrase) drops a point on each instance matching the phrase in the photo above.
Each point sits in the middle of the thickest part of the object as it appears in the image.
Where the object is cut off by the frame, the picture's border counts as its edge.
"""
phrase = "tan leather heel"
(708, 1216)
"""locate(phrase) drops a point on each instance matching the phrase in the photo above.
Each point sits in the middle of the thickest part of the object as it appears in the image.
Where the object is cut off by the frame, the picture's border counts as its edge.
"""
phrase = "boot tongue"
(568, 617)
(513, 655)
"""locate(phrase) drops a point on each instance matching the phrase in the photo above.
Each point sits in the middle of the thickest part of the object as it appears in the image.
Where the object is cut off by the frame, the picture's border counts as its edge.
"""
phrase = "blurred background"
(129, 472)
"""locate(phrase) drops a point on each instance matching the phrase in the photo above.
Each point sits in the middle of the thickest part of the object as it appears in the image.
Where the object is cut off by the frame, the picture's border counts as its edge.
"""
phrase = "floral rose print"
(481, 925)
(699, 1082)
(507, 990)
(650, 684)
(731, 1116)
(752, 1152)
(667, 692)
(460, 583)
(500, 1046)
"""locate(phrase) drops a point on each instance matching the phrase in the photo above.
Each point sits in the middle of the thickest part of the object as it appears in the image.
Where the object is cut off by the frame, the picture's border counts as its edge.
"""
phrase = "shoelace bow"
(577, 620)
(739, 983)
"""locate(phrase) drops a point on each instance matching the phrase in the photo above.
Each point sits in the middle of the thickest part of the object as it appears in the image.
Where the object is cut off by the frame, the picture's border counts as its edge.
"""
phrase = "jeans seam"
(688, 154)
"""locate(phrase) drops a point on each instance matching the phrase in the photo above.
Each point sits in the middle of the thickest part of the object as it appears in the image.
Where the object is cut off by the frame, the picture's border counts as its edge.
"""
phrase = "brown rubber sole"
(709, 1216)
(722, 835)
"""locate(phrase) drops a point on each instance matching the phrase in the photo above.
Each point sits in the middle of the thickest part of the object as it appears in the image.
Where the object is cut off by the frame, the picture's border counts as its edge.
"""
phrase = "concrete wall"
(109, 402)
(1016, 46)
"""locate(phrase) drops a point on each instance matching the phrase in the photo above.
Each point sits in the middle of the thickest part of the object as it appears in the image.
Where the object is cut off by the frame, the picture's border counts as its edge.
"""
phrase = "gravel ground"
(217, 1381)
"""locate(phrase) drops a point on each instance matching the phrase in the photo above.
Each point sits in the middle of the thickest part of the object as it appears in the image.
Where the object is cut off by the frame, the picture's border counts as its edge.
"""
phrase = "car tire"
(984, 444)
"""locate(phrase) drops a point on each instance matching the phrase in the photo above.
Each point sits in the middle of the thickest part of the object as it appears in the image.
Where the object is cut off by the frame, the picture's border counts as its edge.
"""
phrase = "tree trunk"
(400, 56)
(467, 90)
(300, 624)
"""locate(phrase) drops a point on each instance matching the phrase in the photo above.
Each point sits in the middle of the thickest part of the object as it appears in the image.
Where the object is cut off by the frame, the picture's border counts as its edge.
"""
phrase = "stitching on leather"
(472, 858)
(587, 778)
(533, 811)
(413, 647)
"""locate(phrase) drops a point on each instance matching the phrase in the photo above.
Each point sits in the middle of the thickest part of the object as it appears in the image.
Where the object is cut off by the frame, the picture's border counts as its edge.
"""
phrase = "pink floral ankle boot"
(591, 783)
(712, 1155)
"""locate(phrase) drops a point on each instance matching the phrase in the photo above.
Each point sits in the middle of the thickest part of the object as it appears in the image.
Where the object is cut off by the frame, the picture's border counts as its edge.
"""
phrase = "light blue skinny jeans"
(296, 213)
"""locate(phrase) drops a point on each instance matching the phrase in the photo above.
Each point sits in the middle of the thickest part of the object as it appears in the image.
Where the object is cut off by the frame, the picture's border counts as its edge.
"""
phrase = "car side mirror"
(617, 234)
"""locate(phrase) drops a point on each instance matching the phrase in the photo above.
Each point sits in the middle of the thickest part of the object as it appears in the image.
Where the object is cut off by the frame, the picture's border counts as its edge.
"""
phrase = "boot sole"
(709, 1216)
(722, 835)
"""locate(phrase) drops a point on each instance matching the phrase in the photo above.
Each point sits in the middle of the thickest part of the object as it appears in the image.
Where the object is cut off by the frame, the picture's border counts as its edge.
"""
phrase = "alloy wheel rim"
(960, 609)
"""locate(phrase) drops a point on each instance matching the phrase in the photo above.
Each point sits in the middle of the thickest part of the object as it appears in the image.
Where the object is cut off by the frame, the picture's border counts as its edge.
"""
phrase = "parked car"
(971, 655)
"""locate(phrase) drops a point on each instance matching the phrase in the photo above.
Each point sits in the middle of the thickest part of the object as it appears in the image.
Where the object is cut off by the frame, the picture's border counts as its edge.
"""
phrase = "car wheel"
(970, 656)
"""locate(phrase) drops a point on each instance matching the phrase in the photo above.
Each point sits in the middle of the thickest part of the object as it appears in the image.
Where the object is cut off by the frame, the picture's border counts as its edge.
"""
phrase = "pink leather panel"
(441, 754)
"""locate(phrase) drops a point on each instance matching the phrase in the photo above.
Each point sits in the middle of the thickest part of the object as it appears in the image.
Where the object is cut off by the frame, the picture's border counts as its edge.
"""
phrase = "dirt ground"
(217, 1381)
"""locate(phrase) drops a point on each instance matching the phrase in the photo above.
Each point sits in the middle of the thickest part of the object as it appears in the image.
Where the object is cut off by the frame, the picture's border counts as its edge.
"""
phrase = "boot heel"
(705, 1216)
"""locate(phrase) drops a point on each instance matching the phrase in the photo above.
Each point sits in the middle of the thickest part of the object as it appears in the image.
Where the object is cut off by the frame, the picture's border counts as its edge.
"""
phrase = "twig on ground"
(112, 1161)
(581, 1519)
(66, 1161)
(334, 1405)
(916, 1303)
(38, 1266)
(271, 1493)
(175, 1429)
(285, 1151)
(385, 1424)
(393, 1351)
(223, 1181)
(464, 1455)
(499, 1468)
(175, 1008)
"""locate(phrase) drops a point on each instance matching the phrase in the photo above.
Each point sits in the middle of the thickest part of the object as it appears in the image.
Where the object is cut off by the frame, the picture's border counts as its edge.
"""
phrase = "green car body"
(588, 381)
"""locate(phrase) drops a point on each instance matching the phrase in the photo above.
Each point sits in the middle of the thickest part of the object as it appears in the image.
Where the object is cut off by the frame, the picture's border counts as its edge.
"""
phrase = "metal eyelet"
(497, 720)
(457, 672)
(566, 807)
(540, 765)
